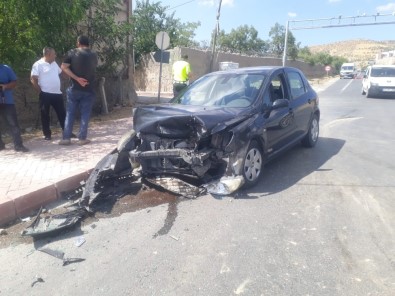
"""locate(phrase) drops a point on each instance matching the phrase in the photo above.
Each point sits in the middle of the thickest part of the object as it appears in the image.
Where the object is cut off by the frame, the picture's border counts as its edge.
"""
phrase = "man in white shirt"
(45, 79)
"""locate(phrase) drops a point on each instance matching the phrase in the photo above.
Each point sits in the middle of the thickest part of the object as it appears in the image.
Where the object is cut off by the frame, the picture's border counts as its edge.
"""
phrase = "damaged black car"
(218, 133)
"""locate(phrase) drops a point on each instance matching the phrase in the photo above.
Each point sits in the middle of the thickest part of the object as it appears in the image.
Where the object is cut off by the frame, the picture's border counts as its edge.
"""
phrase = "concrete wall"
(146, 76)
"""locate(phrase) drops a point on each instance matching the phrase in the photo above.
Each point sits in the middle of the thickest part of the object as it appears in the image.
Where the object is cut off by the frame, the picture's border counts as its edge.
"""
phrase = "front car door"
(280, 123)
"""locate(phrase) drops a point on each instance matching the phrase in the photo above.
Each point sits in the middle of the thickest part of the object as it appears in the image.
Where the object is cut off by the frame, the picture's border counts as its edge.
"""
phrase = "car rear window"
(383, 72)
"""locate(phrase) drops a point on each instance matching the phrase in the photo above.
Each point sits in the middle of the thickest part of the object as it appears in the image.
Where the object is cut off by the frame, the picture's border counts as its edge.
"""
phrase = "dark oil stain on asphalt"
(116, 201)
(144, 198)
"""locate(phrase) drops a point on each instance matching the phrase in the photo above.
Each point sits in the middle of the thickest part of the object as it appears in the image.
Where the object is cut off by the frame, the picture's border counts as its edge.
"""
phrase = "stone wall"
(146, 76)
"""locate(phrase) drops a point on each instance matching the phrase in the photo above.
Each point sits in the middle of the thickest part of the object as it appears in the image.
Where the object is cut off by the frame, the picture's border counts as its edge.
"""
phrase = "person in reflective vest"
(181, 74)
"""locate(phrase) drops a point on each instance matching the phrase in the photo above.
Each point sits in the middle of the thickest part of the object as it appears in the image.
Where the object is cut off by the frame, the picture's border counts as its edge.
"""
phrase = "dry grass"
(359, 51)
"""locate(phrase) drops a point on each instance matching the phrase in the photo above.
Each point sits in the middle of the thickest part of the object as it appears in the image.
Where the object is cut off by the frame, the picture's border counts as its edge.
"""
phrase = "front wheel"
(252, 164)
(311, 137)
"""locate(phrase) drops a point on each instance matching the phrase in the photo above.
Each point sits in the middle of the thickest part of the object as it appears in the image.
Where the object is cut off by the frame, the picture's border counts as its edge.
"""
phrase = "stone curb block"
(7, 211)
(27, 203)
(70, 183)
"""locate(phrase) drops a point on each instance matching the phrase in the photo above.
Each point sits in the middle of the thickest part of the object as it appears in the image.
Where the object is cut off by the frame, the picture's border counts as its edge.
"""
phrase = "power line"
(174, 7)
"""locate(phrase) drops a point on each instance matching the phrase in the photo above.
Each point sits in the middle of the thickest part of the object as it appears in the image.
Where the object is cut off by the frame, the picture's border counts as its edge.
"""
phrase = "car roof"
(257, 69)
(383, 66)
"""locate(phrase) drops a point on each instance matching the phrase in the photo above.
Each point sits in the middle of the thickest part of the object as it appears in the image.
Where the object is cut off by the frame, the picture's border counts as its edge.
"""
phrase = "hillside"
(359, 51)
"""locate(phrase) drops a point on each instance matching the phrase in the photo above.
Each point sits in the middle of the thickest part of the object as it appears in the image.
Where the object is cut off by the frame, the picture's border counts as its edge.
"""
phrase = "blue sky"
(263, 14)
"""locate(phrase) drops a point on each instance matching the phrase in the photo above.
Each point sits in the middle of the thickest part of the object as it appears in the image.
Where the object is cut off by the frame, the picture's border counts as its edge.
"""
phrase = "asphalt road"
(321, 222)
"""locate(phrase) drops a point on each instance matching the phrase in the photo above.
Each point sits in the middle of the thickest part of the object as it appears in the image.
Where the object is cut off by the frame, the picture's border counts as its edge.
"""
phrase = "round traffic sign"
(162, 40)
(327, 68)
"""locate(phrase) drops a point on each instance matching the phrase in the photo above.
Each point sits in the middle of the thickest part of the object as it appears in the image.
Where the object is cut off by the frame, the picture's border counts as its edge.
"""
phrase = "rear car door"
(302, 102)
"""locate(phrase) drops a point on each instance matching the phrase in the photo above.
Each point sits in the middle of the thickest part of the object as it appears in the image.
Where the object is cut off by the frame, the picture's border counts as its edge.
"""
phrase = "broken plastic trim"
(53, 224)
(177, 186)
(225, 185)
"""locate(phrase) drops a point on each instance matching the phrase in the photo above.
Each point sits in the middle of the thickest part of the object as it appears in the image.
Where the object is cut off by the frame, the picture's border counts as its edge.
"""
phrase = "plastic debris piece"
(54, 253)
(38, 280)
(51, 224)
(173, 237)
(225, 186)
(67, 261)
(79, 241)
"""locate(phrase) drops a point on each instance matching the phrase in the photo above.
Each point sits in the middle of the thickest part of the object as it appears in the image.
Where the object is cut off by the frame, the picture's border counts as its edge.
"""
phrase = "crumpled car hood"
(183, 120)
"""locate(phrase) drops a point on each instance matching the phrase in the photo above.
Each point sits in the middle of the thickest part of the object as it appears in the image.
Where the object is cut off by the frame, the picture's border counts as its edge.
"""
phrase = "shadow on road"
(294, 165)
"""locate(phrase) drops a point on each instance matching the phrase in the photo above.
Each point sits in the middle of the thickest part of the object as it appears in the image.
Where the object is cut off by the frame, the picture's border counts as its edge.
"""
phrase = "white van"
(379, 80)
(348, 70)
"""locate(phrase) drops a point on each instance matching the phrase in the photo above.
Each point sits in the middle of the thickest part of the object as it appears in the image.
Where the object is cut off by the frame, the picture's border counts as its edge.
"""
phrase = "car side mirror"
(280, 103)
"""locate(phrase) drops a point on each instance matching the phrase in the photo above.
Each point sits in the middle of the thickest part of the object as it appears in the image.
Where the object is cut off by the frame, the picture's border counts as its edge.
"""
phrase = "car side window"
(276, 88)
(296, 84)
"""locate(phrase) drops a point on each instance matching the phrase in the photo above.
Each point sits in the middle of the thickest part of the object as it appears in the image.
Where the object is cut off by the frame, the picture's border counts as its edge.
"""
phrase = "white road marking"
(347, 85)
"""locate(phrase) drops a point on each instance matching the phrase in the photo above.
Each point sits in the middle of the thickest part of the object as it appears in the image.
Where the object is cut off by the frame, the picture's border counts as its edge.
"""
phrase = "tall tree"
(150, 19)
(29, 25)
(243, 39)
(277, 34)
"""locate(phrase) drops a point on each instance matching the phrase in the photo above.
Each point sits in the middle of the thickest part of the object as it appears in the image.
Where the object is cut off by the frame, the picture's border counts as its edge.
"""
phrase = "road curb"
(12, 209)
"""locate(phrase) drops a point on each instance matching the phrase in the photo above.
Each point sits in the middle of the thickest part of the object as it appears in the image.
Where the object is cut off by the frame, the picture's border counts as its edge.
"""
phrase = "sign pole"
(162, 41)
(160, 67)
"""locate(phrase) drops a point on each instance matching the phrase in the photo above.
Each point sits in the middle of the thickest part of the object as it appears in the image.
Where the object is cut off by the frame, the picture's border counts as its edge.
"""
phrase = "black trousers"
(46, 101)
(177, 87)
(8, 114)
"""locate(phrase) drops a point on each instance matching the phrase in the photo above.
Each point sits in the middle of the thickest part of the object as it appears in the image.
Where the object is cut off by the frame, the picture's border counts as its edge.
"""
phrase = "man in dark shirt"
(80, 65)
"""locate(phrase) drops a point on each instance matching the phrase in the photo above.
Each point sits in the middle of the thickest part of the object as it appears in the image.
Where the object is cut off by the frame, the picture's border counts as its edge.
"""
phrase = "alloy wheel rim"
(314, 130)
(253, 164)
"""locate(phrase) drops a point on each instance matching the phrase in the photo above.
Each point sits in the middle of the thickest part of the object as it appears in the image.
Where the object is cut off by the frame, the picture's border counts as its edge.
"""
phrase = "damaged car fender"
(113, 164)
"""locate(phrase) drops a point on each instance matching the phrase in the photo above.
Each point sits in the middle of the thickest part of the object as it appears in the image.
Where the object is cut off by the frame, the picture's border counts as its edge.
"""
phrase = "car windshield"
(383, 72)
(223, 89)
(347, 68)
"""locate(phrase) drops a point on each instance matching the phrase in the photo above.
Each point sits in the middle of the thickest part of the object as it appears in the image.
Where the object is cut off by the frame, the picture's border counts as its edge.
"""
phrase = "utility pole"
(216, 31)
(285, 44)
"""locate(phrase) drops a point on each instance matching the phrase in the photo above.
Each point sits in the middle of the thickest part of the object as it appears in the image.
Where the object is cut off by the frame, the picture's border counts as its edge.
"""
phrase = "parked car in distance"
(379, 80)
(220, 131)
(348, 70)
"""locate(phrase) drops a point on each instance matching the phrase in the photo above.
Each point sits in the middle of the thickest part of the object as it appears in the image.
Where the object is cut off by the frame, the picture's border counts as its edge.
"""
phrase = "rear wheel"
(252, 164)
(368, 93)
(311, 137)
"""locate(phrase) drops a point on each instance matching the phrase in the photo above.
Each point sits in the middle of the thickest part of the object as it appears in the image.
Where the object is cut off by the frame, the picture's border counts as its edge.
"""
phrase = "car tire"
(368, 93)
(363, 91)
(252, 164)
(311, 137)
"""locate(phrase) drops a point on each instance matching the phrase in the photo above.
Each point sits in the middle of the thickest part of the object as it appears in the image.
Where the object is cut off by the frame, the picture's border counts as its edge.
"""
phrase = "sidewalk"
(30, 180)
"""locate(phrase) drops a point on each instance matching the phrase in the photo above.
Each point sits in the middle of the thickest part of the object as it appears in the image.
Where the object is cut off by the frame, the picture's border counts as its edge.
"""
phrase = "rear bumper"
(382, 90)
(347, 75)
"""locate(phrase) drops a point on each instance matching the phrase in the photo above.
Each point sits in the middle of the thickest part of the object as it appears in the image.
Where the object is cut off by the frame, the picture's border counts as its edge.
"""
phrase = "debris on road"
(175, 238)
(52, 224)
(53, 253)
(67, 261)
(38, 280)
(60, 255)
(79, 241)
